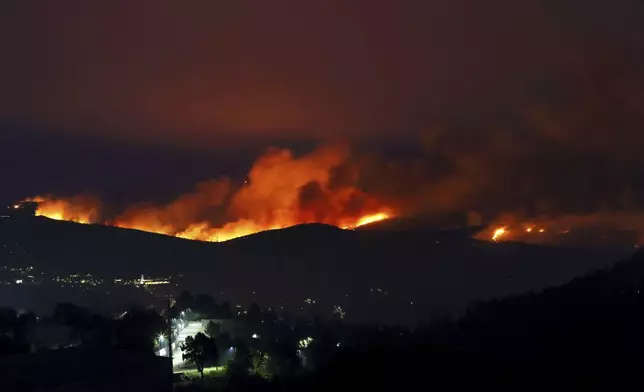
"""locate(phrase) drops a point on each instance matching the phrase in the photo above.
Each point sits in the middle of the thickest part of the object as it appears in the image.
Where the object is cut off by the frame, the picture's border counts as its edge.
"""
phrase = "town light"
(304, 343)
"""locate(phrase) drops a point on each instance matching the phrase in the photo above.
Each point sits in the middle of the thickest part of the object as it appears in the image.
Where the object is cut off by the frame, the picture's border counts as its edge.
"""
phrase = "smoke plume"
(563, 154)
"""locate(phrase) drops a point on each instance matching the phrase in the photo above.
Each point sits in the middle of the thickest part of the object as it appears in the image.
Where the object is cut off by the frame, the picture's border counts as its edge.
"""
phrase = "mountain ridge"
(430, 271)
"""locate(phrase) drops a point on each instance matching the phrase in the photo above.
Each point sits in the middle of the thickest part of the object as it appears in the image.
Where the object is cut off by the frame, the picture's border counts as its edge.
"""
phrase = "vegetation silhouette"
(199, 350)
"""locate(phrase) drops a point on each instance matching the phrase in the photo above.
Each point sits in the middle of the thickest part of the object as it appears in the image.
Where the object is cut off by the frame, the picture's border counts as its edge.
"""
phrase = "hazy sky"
(172, 92)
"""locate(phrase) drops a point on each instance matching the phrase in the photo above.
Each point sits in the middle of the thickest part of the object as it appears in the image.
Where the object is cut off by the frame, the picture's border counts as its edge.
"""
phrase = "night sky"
(503, 106)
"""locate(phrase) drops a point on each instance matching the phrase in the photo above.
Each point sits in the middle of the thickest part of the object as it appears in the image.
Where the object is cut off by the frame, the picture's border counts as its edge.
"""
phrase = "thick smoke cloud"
(570, 160)
(523, 112)
(221, 73)
(571, 157)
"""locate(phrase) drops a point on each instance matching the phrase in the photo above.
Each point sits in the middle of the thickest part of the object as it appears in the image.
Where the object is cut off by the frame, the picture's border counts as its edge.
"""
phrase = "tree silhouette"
(185, 300)
(262, 365)
(199, 350)
(8, 320)
(70, 315)
(213, 329)
(224, 311)
(242, 360)
(138, 330)
(205, 305)
(254, 315)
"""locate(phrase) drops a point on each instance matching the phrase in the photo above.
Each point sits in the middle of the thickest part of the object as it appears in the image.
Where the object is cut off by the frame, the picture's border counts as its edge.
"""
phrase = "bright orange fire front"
(368, 219)
(281, 190)
(499, 233)
(79, 209)
(203, 232)
(61, 210)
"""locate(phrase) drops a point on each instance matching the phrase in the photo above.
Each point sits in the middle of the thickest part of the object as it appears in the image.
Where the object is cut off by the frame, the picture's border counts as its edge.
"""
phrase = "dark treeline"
(585, 334)
(71, 326)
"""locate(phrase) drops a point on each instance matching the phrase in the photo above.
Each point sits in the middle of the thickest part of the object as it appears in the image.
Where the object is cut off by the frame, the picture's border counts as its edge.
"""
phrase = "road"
(193, 328)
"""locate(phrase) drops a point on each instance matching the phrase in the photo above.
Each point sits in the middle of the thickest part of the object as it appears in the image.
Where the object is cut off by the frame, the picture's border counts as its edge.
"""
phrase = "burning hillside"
(79, 209)
(598, 229)
(281, 190)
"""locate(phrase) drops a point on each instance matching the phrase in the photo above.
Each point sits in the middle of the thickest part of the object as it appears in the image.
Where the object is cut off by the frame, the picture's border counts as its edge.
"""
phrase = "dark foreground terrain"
(386, 276)
(583, 335)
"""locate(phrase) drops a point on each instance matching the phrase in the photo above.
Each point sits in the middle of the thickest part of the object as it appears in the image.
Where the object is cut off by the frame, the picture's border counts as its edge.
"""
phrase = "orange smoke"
(281, 191)
(181, 213)
(80, 209)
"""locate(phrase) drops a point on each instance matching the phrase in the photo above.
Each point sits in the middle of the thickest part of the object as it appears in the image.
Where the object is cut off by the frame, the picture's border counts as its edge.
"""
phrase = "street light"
(161, 338)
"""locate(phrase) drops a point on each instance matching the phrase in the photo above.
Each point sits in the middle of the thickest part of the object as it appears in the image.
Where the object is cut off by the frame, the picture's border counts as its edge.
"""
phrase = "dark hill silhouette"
(311, 232)
(419, 273)
(594, 321)
(582, 335)
(61, 246)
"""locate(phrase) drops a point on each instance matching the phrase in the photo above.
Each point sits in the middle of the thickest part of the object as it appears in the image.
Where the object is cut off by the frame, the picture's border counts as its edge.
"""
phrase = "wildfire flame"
(281, 191)
(365, 220)
(498, 233)
(79, 209)
(504, 232)
(513, 228)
